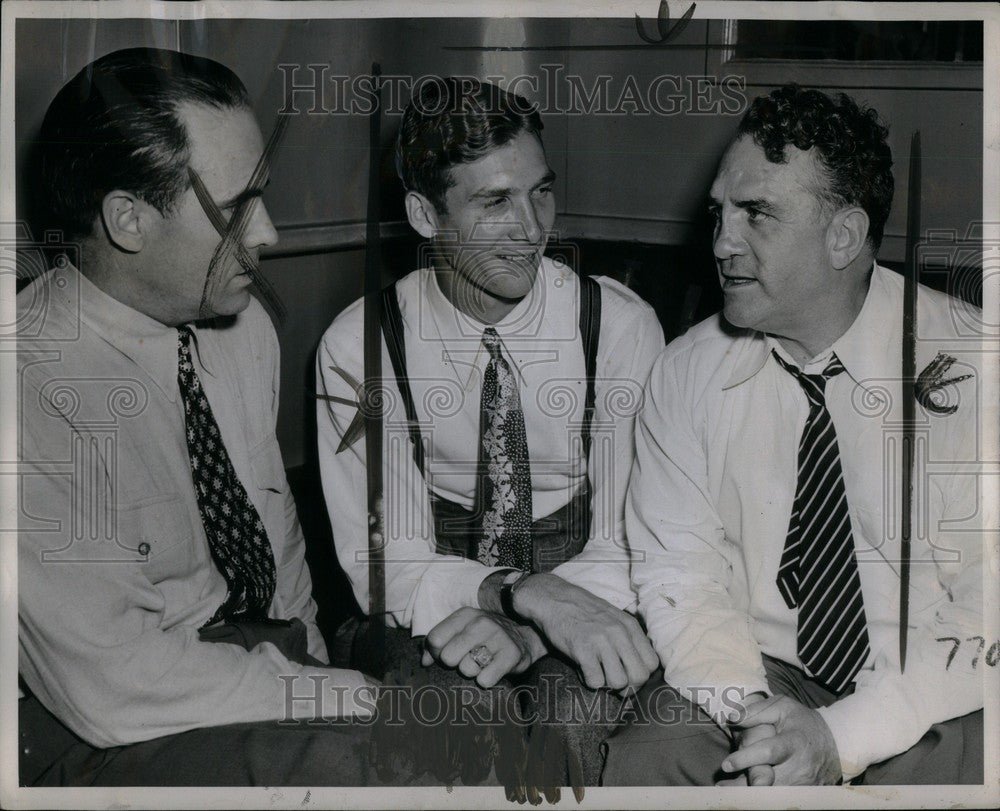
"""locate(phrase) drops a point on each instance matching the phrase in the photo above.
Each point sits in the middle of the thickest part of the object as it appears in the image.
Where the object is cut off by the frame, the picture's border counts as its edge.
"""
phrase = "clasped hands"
(781, 742)
(607, 644)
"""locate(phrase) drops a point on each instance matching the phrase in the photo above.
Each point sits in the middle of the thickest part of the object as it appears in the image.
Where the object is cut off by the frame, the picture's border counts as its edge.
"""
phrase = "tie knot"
(492, 342)
(184, 349)
(813, 385)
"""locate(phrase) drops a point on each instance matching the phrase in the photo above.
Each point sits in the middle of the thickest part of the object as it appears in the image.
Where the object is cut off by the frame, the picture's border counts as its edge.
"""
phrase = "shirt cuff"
(722, 700)
(864, 733)
(439, 598)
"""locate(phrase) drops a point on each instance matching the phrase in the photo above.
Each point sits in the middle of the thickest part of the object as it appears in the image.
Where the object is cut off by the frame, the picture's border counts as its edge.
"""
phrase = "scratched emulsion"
(232, 232)
(485, 740)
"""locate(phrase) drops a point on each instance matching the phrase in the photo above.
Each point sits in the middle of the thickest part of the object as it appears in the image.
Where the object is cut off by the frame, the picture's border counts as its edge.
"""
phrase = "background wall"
(633, 168)
(632, 181)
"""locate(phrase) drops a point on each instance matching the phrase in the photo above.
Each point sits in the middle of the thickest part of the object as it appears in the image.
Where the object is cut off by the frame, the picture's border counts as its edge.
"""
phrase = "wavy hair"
(456, 120)
(850, 142)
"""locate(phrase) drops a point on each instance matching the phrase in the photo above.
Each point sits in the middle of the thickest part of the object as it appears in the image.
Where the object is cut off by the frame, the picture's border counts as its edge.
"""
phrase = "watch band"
(507, 594)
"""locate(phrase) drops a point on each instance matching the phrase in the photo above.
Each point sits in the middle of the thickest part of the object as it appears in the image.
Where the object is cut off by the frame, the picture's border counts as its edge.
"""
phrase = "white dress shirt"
(711, 495)
(445, 362)
(115, 576)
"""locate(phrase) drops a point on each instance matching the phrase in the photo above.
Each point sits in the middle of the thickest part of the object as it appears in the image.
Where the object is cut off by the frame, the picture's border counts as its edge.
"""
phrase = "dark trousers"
(266, 753)
(559, 719)
(675, 743)
(258, 754)
(571, 721)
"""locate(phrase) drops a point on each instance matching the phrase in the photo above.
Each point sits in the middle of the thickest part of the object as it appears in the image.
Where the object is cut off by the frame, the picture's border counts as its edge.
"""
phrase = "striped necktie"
(819, 572)
(236, 535)
(504, 489)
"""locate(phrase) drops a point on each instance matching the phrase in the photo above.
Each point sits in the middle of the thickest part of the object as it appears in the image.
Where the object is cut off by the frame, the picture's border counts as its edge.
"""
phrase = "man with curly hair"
(762, 511)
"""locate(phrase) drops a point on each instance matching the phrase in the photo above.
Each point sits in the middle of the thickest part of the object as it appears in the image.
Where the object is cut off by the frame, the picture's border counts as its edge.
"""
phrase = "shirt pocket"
(160, 530)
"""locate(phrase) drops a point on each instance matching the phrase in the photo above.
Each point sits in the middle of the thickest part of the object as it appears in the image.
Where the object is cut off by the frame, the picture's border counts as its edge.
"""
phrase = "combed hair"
(456, 120)
(114, 126)
(849, 140)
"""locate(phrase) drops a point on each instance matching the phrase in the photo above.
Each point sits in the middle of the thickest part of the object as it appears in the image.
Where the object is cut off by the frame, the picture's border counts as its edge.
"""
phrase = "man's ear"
(421, 213)
(126, 220)
(846, 236)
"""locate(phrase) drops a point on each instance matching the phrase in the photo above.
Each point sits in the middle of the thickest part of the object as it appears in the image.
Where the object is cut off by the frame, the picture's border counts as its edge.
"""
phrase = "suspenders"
(392, 328)
(590, 332)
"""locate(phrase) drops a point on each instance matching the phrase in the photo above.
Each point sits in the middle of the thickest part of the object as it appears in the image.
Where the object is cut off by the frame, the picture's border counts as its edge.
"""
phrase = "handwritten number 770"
(992, 655)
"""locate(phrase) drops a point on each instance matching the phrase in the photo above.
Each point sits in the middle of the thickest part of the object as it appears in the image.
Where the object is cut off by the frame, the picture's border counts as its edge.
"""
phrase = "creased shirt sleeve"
(681, 561)
(294, 582)
(631, 339)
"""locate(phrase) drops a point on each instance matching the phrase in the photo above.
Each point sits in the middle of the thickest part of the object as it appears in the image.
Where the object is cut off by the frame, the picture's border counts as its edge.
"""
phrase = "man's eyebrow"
(502, 191)
(758, 203)
(548, 178)
(245, 195)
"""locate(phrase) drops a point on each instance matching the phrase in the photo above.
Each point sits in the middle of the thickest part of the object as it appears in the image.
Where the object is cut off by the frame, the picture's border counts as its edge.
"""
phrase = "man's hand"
(761, 775)
(451, 642)
(802, 750)
(609, 645)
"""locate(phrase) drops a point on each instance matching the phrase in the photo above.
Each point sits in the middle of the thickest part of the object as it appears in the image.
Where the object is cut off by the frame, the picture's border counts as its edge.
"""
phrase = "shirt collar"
(863, 349)
(455, 326)
(147, 343)
(460, 335)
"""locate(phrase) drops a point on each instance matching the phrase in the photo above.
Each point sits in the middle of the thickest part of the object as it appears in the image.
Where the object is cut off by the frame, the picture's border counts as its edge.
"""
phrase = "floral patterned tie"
(504, 493)
(236, 535)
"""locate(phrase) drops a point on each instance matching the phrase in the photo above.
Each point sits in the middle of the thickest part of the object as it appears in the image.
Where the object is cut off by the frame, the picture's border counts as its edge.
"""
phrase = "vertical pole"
(372, 404)
(909, 369)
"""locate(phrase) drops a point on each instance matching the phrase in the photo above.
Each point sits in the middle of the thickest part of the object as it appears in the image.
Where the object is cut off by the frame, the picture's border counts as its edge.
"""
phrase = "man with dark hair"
(763, 512)
(508, 416)
(165, 609)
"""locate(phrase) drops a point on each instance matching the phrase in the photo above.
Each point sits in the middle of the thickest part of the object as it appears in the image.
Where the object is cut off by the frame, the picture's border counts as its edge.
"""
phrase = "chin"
(512, 283)
(233, 304)
(740, 316)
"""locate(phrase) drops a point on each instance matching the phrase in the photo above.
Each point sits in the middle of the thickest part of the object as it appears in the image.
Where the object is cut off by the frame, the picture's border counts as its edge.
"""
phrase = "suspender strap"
(392, 327)
(590, 334)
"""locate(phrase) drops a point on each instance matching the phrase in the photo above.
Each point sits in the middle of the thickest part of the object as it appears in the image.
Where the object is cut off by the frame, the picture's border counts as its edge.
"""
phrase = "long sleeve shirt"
(446, 360)
(711, 495)
(115, 576)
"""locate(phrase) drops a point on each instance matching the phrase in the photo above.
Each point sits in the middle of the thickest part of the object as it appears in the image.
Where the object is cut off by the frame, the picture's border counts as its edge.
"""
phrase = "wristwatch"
(507, 594)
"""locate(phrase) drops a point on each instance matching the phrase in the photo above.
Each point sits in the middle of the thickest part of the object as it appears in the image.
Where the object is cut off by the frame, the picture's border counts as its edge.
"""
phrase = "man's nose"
(728, 240)
(527, 224)
(261, 232)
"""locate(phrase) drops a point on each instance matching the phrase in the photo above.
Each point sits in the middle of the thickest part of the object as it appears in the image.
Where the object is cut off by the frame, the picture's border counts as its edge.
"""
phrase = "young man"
(155, 515)
(512, 384)
(763, 511)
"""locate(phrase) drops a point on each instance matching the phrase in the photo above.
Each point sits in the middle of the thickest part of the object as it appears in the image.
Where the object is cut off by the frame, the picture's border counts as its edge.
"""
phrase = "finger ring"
(481, 655)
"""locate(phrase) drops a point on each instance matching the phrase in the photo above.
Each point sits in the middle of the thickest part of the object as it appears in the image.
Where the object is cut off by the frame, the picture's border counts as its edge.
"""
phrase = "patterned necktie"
(504, 492)
(236, 535)
(819, 571)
